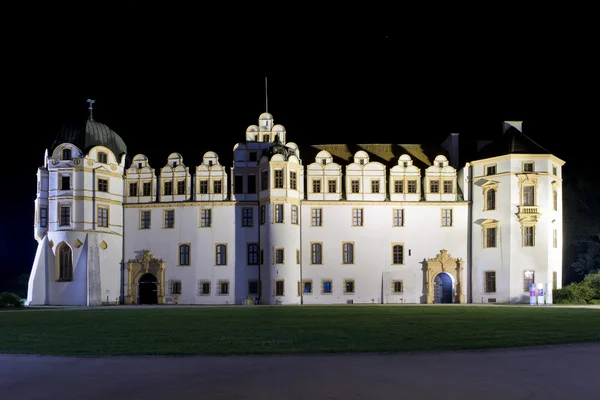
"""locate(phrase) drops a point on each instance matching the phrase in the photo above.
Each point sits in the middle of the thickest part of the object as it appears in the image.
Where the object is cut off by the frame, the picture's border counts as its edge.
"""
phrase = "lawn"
(295, 329)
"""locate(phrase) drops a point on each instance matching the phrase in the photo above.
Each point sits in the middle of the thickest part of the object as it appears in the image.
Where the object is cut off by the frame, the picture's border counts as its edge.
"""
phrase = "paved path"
(567, 372)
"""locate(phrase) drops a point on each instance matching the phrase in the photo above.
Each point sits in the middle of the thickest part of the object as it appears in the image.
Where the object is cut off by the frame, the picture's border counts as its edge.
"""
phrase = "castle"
(331, 224)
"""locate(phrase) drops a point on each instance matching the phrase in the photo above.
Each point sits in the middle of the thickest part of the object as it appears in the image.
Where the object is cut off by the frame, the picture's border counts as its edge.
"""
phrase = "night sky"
(166, 80)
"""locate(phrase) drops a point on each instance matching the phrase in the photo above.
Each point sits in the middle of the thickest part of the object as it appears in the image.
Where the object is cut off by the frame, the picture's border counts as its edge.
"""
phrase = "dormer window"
(210, 163)
(174, 164)
(139, 165)
(102, 158)
(361, 161)
(265, 138)
(324, 161)
(66, 154)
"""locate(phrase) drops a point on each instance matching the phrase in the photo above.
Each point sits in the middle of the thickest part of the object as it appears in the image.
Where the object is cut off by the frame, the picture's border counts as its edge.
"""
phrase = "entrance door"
(147, 289)
(442, 289)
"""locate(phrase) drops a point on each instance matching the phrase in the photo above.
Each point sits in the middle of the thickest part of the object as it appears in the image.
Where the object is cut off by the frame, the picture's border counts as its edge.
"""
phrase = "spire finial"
(266, 97)
(91, 108)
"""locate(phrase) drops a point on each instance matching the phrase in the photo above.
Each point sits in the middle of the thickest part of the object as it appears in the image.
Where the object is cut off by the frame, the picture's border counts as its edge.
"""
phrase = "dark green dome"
(89, 134)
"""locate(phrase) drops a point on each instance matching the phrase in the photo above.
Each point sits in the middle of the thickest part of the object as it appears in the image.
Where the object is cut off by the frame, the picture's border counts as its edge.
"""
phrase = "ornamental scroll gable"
(145, 257)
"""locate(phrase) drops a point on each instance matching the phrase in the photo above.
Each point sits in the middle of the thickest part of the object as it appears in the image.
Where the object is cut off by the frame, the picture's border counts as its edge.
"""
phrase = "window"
(293, 182)
(103, 217)
(252, 156)
(223, 287)
(103, 185)
(397, 287)
(65, 263)
(528, 279)
(554, 280)
(238, 184)
(307, 286)
(65, 182)
(554, 238)
(203, 187)
(528, 236)
(448, 187)
(411, 186)
(252, 184)
(316, 250)
(262, 256)
(65, 215)
(278, 179)
(168, 188)
(144, 219)
(221, 254)
(527, 167)
(147, 188)
(264, 180)
(184, 254)
(169, 219)
(316, 184)
(44, 217)
(133, 189)
(434, 186)
(252, 287)
(316, 217)
(265, 138)
(446, 217)
(397, 254)
(348, 253)
(528, 195)
(490, 282)
(398, 186)
(278, 288)
(180, 187)
(252, 254)
(398, 217)
(375, 186)
(490, 199)
(326, 287)
(263, 214)
(490, 237)
(554, 170)
(66, 154)
(295, 215)
(102, 158)
(354, 186)
(205, 217)
(332, 186)
(297, 256)
(349, 286)
(490, 170)
(279, 213)
(555, 200)
(204, 288)
(247, 217)
(278, 256)
(175, 287)
(357, 217)
(217, 186)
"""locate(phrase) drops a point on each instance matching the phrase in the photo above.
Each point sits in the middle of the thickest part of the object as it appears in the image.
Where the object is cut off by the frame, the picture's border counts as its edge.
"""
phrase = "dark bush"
(8, 299)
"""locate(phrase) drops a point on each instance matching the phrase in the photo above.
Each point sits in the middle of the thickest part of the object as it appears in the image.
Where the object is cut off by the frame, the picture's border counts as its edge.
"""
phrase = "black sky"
(188, 80)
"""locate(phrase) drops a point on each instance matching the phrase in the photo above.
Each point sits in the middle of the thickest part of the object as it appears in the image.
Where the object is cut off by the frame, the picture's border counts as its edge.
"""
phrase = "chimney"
(451, 146)
(518, 125)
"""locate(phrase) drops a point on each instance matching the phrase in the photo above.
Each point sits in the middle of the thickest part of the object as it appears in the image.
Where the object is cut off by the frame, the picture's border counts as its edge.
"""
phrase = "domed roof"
(89, 134)
(265, 116)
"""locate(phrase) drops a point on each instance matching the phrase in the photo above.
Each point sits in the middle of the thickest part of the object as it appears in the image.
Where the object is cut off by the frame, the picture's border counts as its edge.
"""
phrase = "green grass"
(280, 329)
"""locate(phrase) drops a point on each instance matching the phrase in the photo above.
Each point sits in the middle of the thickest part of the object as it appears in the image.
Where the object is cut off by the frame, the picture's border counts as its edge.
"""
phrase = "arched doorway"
(443, 291)
(147, 289)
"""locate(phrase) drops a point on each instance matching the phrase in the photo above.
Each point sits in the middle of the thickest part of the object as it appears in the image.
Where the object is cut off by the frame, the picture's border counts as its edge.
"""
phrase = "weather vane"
(91, 107)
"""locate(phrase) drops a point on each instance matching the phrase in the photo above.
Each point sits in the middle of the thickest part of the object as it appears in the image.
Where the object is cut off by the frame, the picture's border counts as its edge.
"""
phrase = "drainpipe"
(470, 234)
(300, 251)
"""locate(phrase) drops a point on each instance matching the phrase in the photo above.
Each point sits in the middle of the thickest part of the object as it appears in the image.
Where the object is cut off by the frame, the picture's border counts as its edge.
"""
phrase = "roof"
(89, 134)
(513, 141)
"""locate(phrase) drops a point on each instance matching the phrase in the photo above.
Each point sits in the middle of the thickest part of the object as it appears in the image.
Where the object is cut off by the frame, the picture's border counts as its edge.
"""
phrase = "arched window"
(65, 263)
(490, 200)
(66, 154)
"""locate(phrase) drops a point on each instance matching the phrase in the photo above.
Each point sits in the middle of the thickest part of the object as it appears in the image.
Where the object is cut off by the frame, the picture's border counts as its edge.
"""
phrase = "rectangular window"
(175, 287)
(375, 186)
(252, 287)
(307, 286)
(446, 217)
(264, 180)
(265, 138)
(262, 256)
(252, 254)
(490, 282)
(528, 236)
(297, 256)
(217, 186)
(279, 288)
(102, 185)
(204, 288)
(398, 186)
(205, 217)
(293, 182)
(65, 215)
(103, 217)
(316, 216)
(102, 158)
(397, 254)
(168, 188)
(554, 170)
(203, 187)
(434, 186)
(184, 254)
(263, 214)
(528, 195)
(144, 219)
(221, 254)
(147, 188)
(348, 253)
(133, 189)
(278, 179)
(528, 279)
(411, 186)
(238, 184)
(397, 287)
(223, 287)
(278, 256)
(555, 200)
(326, 287)
(316, 183)
(554, 280)
(490, 170)
(349, 286)
(398, 217)
(528, 167)
(448, 187)
(180, 187)
(169, 218)
(279, 213)
(332, 186)
(357, 217)
(554, 238)
(295, 215)
(490, 237)
(316, 253)
(252, 184)
(43, 217)
(65, 182)
(355, 186)
(247, 217)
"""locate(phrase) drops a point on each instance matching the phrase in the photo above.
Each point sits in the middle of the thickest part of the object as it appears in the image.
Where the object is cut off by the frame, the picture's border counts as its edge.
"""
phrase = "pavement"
(566, 372)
